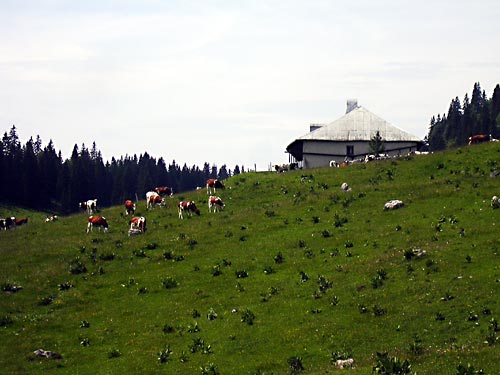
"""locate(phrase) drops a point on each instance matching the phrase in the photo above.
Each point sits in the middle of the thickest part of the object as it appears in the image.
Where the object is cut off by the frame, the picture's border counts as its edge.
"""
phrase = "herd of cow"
(154, 198)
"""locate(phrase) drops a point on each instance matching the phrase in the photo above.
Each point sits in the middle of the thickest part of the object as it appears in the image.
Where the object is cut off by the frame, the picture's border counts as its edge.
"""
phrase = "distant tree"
(236, 170)
(223, 173)
(495, 112)
(376, 144)
(452, 131)
(436, 133)
(30, 178)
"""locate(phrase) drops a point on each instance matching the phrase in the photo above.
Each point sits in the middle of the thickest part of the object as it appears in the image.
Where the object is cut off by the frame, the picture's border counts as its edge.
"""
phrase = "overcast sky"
(233, 82)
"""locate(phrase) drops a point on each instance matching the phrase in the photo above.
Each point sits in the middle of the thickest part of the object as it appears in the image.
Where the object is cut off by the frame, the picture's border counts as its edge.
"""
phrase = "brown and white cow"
(215, 203)
(479, 138)
(97, 221)
(154, 199)
(138, 223)
(129, 207)
(21, 221)
(212, 184)
(189, 207)
(90, 206)
(164, 191)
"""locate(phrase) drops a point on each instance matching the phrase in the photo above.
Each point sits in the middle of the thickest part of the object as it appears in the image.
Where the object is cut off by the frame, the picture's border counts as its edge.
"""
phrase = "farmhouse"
(348, 138)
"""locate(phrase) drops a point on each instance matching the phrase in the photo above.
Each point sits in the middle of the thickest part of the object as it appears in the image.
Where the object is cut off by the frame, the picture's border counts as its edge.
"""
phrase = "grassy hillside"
(294, 272)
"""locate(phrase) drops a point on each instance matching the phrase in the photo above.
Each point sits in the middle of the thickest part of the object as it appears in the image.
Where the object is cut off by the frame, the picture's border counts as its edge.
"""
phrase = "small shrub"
(209, 369)
(270, 213)
(84, 324)
(308, 253)
(65, 286)
(247, 317)
(151, 246)
(164, 354)
(5, 321)
(303, 276)
(140, 253)
(167, 328)
(142, 290)
(168, 255)
(278, 258)
(114, 353)
(216, 271)
(195, 313)
(334, 301)
(295, 364)
(45, 301)
(76, 266)
(211, 315)
(169, 282)
(440, 316)
(388, 365)
(416, 347)
(107, 256)
(362, 309)
(339, 221)
(241, 274)
(268, 270)
(348, 244)
(85, 341)
(324, 284)
(193, 328)
(469, 370)
(378, 310)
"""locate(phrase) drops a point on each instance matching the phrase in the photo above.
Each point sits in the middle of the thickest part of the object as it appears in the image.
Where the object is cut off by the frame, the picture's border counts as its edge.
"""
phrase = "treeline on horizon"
(474, 115)
(36, 176)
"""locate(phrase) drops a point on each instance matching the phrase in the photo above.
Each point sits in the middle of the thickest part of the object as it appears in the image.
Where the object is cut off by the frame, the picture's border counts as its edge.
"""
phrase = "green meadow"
(294, 274)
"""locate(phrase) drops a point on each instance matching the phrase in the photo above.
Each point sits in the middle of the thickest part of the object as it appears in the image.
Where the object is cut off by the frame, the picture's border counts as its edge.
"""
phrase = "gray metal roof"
(359, 125)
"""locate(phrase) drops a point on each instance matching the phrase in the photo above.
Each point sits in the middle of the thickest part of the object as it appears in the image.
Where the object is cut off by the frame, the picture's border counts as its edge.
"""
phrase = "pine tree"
(376, 144)
(495, 112)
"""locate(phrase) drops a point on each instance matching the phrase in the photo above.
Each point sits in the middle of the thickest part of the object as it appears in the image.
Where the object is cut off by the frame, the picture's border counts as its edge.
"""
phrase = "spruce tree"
(376, 144)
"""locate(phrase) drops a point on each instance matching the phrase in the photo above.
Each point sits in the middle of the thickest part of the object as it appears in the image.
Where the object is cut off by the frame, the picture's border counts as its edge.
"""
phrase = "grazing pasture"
(294, 276)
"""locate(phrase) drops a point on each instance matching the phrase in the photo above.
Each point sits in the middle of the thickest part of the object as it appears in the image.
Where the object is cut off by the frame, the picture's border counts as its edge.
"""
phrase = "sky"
(233, 82)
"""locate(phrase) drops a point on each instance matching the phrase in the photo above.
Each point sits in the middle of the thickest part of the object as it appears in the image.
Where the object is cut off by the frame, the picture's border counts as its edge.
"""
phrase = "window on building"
(350, 150)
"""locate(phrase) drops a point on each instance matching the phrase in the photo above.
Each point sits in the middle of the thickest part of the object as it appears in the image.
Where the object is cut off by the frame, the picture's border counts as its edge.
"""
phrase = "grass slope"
(293, 268)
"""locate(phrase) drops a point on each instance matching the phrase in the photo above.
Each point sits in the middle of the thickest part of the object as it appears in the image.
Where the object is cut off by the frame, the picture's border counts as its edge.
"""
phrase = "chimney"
(351, 104)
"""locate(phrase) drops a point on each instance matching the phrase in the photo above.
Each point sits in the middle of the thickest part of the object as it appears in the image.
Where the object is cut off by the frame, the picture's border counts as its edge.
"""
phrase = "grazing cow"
(153, 198)
(216, 203)
(164, 191)
(97, 221)
(212, 184)
(393, 204)
(495, 202)
(51, 218)
(189, 207)
(334, 164)
(21, 221)
(479, 138)
(89, 205)
(129, 207)
(138, 223)
(341, 363)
